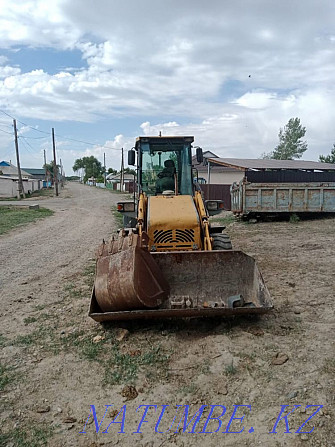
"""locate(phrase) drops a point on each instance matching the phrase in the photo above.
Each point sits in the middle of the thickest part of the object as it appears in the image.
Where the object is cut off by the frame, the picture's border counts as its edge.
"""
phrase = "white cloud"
(7, 71)
(172, 61)
(256, 100)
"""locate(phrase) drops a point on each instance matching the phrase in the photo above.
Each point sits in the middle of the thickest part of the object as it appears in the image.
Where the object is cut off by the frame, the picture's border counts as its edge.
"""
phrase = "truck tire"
(221, 241)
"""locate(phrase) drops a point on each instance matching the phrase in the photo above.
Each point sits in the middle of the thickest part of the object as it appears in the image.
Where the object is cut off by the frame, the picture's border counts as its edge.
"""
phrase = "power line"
(6, 114)
(5, 125)
(25, 145)
(90, 143)
(5, 131)
(36, 138)
(62, 136)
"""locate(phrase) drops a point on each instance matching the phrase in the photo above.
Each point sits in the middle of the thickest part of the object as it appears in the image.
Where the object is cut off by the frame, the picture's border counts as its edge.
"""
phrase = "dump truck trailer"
(252, 199)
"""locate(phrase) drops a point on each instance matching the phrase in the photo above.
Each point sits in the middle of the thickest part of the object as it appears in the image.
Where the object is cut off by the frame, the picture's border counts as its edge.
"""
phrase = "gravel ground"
(57, 362)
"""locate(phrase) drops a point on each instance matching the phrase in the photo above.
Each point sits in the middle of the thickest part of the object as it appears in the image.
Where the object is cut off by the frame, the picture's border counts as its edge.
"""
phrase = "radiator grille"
(174, 237)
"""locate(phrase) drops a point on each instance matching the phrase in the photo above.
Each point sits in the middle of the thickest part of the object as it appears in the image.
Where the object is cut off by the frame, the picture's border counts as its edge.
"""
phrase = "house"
(9, 181)
(212, 173)
(36, 173)
(278, 171)
(115, 180)
(45, 177)
(9, 170)
(9, 186)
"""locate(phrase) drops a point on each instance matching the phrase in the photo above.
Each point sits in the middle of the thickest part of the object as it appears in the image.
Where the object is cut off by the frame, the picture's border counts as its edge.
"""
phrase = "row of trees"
(93, 168)
(292, 146)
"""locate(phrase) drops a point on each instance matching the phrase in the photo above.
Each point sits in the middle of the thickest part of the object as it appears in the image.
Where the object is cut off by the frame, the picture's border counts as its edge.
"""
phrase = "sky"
(102, 72)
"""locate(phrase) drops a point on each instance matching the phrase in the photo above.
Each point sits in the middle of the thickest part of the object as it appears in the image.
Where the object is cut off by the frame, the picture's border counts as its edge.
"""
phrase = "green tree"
(91, 165)
(290, 142)
(129, 171)
(111, 171)
(49, 167)
(328, 158)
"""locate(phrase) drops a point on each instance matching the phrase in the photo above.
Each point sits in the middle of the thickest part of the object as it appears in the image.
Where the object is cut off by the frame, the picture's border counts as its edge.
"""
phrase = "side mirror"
(131, 158)
(200, 157)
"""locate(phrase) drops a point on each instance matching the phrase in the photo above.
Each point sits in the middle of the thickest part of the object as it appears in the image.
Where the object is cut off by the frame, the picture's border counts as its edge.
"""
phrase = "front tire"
(221, 241)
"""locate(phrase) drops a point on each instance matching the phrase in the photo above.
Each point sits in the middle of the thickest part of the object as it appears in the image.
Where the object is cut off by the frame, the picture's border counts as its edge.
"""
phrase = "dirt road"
(44, 252)
(57, 363)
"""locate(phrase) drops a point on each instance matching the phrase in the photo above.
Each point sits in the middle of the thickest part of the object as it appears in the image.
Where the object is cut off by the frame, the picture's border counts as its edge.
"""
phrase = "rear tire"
(221, 242)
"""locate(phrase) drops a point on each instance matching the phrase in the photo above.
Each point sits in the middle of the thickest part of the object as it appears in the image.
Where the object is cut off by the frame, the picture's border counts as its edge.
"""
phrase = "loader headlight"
(126, 206)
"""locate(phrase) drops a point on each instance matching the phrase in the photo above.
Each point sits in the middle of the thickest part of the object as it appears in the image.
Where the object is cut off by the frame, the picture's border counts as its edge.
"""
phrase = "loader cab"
(165, 164)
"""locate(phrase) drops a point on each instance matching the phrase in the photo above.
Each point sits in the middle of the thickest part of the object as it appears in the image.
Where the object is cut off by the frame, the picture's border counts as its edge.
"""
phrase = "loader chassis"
(172, 263)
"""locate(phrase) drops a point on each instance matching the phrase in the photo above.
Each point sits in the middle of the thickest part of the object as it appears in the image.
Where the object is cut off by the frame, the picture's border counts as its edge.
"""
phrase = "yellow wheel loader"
(167, 260)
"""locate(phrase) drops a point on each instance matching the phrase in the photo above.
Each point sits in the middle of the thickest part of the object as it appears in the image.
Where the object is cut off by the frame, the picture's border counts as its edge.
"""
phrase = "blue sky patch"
(47, 59)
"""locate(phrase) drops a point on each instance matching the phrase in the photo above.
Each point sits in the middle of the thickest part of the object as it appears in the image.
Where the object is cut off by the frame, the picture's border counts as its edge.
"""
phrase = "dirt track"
(56, 371)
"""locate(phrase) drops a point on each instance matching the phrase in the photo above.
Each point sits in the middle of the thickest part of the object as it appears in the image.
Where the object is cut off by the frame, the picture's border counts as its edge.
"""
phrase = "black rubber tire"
(221, 241)
(129, 222)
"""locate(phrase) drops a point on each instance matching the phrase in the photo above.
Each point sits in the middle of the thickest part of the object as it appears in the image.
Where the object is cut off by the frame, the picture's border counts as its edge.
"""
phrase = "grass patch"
(29, 320)
(9, 199)
(72, 291)
(40, 306)
(89, 274)
(25, 340)
(42, 193)
(5, 377)
(117, 216)
(32, 436)
(119, 366)
(83, 344)
(3, 341)
(329, 366)
(294, 218)
(188, 389)
(38, 337)
(230, 369)
(12, 217)
(124, 367)
(227, 220)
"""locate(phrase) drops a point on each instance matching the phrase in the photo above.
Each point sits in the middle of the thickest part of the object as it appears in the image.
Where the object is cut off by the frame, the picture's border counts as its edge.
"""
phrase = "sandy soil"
(59, 362)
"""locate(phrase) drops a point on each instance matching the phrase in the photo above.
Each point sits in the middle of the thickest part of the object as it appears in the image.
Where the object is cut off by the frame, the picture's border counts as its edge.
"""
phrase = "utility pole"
(21, 189)
(208, 172)
(104, 168)
(61, 171)
(55, 163)
(121, 172)
(45, 167)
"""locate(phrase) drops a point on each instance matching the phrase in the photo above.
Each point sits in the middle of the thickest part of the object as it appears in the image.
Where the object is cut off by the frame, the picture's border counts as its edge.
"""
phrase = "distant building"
(37, 173)
(115, 180)
(9, 170)
(218, 175)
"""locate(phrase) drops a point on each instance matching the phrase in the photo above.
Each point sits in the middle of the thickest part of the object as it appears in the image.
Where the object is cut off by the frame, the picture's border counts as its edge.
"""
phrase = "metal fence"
(218, 192)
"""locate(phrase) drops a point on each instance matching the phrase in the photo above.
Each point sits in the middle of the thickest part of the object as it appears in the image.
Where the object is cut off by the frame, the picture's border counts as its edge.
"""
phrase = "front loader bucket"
(202, 283)
(128, 279)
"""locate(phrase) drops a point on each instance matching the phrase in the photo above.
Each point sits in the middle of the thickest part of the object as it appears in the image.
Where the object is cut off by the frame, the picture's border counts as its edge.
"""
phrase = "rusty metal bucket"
(201, 283)
(127, 277)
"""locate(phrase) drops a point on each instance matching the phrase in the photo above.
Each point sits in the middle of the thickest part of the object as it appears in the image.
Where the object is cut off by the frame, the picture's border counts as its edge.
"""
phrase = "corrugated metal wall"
(289, 176)
(218, 192)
